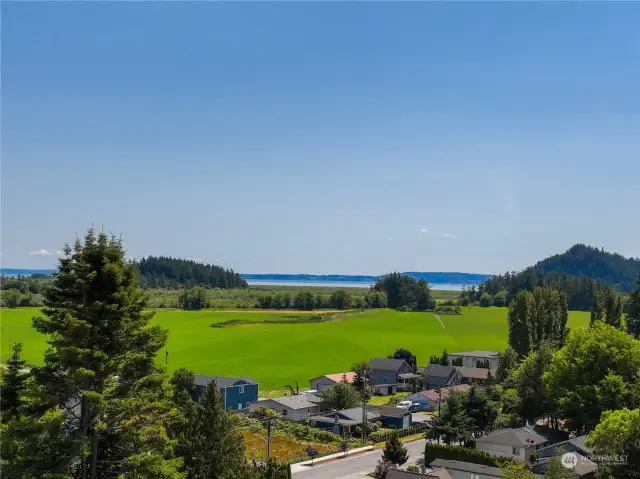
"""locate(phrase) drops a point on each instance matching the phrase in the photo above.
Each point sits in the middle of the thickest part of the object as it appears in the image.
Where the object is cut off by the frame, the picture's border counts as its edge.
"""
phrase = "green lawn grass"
(278, 354)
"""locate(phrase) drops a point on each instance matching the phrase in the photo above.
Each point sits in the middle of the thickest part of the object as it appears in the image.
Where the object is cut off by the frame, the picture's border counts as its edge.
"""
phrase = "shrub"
(464, 454)
(413, 468)
(485, 300)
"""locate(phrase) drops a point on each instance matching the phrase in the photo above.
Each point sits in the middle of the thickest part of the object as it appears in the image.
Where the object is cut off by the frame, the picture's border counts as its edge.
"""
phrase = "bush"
(464, 454)
(485, 300)
(413, 468)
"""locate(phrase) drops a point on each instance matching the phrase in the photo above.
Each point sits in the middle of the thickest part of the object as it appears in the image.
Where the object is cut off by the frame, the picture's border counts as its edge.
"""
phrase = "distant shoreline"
(342, 284)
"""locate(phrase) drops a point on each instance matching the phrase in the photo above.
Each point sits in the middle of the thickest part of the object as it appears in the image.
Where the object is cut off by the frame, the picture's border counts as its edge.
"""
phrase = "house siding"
(295, 415)
(232, 397)
(396, 422)
(321, 383)
(432, 382)
(496, 449)
(471, 361)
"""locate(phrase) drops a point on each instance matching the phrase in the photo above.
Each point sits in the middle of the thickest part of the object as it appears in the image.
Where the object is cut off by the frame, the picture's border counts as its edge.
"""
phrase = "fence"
(410, 431)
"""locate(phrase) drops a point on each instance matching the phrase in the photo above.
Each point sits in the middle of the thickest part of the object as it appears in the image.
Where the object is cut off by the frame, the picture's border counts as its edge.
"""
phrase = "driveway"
(359, 466)
(421, 417)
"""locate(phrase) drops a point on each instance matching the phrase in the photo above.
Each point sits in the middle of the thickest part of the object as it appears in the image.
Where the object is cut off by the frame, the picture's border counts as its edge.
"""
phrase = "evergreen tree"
(13, 385)
(453, 424)
(394, 451)
(480, 410)
(213, 444)
(607, 307)
(444, 360)
(99, 368)
(633, 312)
(508, 362)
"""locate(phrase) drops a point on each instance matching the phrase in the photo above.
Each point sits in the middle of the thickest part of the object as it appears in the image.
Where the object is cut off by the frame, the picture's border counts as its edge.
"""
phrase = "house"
(518, 443)
(435, 474)
(470, 358)
(583, 468)
(473, 375)
(343, 422)
(237, 392)
(394, 417)
(429, 400)
(383, 389)
(296, 408)
(465, 470)
(384, 372)
(436, 376)
(322, 382)
(406, 381)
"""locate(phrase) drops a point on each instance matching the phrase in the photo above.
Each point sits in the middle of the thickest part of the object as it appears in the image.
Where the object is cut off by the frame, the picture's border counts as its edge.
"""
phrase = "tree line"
(172, 273)
(100, 406)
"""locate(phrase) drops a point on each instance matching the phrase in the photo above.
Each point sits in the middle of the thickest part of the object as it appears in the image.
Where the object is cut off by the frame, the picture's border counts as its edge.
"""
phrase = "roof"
(390, 411)
(399, 474)
(477, 354)
(355, 413)
(440, 473)
(222, 381)
(520, 437)
(327, 419)
(337, 377)
(387, 364)
(438, 371)
(432, 394)
(420, 370)
(408, 375)
(584, 466)
(301, 401)
(474, 373)
(579, 442)
(467, 467)
(383, 385)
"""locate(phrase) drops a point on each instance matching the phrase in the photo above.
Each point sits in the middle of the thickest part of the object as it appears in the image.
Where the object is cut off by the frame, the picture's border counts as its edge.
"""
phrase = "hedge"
(464, 454)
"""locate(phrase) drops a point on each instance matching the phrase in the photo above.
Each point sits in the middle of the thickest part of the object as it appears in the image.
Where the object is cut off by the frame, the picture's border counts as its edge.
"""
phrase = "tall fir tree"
(100, 367)
(394, 451)
(633, 311)
(213, 445)
(13, 384)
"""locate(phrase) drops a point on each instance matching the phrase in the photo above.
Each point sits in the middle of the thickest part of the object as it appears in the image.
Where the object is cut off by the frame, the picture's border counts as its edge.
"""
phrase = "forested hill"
(578, 272)
(589, 262)
(166, 272)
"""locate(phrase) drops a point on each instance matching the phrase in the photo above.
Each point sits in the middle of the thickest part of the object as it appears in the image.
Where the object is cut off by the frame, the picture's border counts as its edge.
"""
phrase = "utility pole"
(269, 440)
(364, 407)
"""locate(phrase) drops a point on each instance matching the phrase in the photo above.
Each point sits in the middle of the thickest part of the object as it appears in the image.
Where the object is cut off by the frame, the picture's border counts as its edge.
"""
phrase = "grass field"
(277, 354)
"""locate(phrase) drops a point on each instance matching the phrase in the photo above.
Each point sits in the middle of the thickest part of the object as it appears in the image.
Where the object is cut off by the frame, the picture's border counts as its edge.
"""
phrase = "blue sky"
(322, 138)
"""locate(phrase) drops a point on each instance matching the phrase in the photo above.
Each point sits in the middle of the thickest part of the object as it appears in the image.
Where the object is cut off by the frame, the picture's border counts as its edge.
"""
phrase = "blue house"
(395, 417)
(237, 392)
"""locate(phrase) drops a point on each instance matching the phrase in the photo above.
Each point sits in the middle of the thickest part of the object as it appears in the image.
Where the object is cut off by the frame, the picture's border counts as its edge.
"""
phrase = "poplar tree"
(607, 307)
(633, 312)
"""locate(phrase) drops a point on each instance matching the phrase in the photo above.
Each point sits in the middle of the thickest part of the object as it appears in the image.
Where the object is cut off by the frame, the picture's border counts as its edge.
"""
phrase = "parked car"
(404, 404)
(415, 407)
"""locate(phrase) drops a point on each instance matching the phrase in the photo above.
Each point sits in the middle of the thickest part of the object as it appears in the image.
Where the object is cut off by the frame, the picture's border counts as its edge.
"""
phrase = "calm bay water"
(342, 284)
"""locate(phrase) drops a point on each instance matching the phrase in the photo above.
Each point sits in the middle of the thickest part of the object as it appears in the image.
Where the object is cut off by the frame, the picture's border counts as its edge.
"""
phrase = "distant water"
(342, 284)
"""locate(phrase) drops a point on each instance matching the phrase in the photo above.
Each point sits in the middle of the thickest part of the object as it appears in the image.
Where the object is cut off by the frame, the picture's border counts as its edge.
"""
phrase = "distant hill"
(25, 272)
(589, 262)
(434, 277)
(578, 272)
(167, 272)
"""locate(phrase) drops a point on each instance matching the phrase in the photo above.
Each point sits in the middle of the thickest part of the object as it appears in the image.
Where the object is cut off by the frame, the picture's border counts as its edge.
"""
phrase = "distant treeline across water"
(343, 284)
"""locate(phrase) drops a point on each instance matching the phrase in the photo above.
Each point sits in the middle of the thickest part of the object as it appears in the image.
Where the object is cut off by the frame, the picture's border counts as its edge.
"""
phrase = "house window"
(241, 389)
(516, 451)
(284, 412)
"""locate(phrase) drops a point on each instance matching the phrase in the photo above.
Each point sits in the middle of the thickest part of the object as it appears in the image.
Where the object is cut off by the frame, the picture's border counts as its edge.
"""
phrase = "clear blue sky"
(322, 138)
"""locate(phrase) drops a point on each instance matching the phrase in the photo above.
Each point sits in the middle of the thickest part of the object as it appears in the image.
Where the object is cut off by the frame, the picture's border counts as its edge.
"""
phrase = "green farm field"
(276, 354)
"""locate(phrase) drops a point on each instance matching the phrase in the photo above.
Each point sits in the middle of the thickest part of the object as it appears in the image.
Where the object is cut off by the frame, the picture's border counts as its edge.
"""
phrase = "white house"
(518, 443)
(470, 358)
(463, 470)
(296, 408)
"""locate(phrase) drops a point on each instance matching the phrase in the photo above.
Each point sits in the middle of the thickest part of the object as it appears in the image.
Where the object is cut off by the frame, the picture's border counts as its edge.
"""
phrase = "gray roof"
(438, 371)
(301, 401)
(579, 442)
(355, 414)
(521, 437)
(474, 373)
(467, 467)
(387, 364)
(420, 370)
(222, 381)
(390, 411)
(408, 375)
(398, 474)
(477, 354)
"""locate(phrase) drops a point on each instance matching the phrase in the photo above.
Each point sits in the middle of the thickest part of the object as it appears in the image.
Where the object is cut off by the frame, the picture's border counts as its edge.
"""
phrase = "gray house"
(583, 467)
(237, 392)
(473, 375)
(470, 358)
(518, 443)
(437, 376)
(386, 371)
(465, 470)
(343, 422)
(296, 408)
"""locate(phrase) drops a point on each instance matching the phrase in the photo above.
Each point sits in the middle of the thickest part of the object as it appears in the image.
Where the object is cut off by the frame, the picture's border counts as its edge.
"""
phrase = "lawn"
(277, 354)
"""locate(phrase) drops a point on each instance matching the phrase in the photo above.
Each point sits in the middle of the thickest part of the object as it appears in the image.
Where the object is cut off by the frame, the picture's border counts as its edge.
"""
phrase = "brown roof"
(432, 394)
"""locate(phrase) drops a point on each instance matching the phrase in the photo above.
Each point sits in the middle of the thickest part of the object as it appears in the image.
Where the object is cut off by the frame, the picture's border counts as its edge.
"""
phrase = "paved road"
(358, 466)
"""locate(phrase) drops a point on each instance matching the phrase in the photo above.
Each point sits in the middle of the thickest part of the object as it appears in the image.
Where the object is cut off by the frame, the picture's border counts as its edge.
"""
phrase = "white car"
(404, 404)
